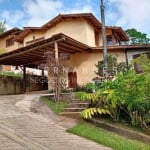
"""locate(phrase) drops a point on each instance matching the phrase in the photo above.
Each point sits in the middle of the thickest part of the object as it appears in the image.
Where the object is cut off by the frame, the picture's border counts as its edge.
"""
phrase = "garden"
(124, 97)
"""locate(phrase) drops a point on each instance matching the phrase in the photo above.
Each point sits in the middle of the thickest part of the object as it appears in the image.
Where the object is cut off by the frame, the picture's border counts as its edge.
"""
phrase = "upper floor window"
(109, 40)
(9, 42)
(97, 38)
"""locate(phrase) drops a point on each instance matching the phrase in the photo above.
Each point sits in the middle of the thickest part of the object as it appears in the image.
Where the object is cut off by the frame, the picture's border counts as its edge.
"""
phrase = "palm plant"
(2, 26)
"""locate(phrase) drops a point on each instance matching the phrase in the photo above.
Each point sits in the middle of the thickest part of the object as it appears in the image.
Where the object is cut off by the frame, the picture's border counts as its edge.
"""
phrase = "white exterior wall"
(130, 53)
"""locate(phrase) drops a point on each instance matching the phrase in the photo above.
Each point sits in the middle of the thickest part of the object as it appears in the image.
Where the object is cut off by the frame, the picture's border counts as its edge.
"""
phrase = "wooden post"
(24, 79)
(42, 72)
(57, 81)
(56, 53)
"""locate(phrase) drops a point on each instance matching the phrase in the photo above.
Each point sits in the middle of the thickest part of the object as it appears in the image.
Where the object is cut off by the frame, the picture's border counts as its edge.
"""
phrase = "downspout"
(126, 56)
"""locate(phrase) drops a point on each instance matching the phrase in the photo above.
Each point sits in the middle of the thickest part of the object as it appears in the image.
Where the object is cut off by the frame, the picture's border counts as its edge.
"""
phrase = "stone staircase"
(74, 106)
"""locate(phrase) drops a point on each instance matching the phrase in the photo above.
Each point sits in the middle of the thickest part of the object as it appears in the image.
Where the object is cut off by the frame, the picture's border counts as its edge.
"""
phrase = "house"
(8, 44)
(77, 35)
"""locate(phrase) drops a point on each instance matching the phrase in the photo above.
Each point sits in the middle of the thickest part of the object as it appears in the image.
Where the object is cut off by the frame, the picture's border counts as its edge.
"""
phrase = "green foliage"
(95, 108)
(126, 95)
(113, 66)
(11, 74)
(2, 51)
(88, 96)
(137, 37)
(57, 107)
(143, 62)
(90, 87)
(89, 112)
(106, 138)
(112, 63)
(2, 26)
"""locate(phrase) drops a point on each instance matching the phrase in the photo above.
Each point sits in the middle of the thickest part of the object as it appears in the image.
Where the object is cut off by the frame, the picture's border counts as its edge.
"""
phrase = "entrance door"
(72, 79)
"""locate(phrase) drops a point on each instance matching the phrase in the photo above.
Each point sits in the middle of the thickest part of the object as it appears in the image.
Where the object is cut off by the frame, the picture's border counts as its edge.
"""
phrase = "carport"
(32, 55)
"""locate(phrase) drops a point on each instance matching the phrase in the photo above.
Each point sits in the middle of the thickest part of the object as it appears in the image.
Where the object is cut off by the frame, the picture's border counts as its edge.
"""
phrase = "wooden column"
(56, 52)
(42, 72)
(57, 76)
(24, 79)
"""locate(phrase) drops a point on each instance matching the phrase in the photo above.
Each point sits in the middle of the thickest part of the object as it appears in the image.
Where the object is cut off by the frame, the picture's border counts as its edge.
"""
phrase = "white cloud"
(130, 14)
(79, 7)
(13, 17)
(84, 9)
(40, 11)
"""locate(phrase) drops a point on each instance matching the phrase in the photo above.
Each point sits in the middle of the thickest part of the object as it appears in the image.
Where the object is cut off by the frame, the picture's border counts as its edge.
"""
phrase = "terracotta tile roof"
(32, 54)
(11, 31)
(119, 31)
(87, 16)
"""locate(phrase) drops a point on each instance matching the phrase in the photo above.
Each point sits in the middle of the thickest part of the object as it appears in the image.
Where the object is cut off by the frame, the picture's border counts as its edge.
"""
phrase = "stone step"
(75, 104)
(71, 114)
(77, 109)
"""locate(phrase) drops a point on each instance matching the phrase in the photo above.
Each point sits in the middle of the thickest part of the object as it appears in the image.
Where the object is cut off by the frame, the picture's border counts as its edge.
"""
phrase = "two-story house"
(7, 44)
(77, 35)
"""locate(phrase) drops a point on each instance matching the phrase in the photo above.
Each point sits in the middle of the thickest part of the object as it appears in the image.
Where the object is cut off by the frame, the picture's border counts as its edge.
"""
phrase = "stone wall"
(10, 85)
(14, 85)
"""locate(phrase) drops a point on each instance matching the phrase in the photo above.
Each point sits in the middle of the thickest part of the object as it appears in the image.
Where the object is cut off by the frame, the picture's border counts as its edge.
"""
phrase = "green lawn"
(11, 74)
(56, 107)
(107, 138)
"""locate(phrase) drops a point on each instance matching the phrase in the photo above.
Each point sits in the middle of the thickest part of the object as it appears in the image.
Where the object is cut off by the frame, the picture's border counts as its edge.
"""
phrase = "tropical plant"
(113, 66)
(134, 95)
(127, 95)
(90, 87)
(96, 107)
(2, 26)
(2, 51)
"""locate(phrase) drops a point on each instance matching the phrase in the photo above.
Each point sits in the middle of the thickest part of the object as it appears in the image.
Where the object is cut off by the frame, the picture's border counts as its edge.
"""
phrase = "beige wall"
(3, 44)
(78, 29)
(90, 35)
(84, 64)
(35, 34)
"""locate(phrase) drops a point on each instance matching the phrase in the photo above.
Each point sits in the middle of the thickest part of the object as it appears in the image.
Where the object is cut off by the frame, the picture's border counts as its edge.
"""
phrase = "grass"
(11, 74)
(107, 138)
(56, 107)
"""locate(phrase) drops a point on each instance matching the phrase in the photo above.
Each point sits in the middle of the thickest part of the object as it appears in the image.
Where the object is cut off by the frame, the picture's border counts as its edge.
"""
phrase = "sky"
(125, 13)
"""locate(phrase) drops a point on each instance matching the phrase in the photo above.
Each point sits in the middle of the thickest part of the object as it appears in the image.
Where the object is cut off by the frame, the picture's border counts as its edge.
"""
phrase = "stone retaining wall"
(14, 85)
(121, 131)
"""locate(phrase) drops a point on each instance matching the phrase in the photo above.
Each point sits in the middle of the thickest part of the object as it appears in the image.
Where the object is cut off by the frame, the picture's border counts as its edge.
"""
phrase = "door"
(72, 79)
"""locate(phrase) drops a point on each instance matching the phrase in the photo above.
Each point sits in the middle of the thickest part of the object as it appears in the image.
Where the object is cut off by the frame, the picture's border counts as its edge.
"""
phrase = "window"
(97, 38)
(109, 40)
(9, 42)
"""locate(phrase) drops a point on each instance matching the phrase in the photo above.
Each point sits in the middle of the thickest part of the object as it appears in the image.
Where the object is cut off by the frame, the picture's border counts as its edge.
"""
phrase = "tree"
(113, 66)
(137, 37)
(2, 26)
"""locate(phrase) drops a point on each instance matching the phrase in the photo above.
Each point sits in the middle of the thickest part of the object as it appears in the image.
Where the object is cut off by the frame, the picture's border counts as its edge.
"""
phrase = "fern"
(88, 113)
(88, 96)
